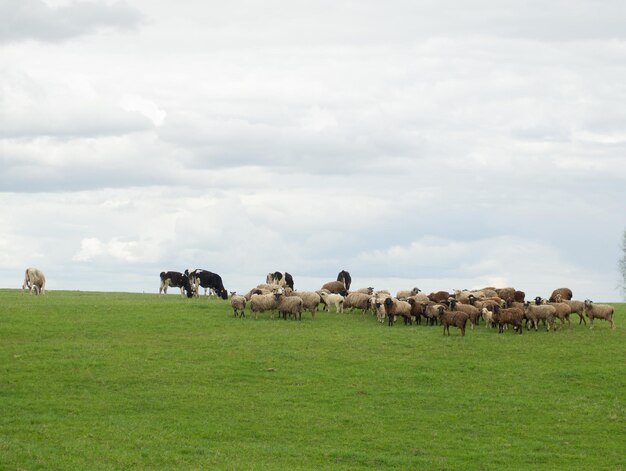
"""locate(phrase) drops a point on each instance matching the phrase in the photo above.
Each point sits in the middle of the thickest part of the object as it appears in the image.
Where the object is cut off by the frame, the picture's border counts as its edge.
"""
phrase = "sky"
(433, 144)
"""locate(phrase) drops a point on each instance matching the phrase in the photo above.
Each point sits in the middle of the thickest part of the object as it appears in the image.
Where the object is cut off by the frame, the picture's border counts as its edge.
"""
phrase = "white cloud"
(430, 142)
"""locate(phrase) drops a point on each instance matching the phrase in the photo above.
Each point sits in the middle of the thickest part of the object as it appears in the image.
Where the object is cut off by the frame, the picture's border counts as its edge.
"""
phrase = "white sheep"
(34, 279)
(358, 301)
(534, 313)
(291, 305)
(238, 304)
(310, 300)
(395, 308)
(403, 294)
(576, 306)
(599, 311)
(262, 303)
(332, 298)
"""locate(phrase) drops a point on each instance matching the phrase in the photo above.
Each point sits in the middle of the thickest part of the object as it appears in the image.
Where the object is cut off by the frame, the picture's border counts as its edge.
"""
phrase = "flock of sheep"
(501, 307)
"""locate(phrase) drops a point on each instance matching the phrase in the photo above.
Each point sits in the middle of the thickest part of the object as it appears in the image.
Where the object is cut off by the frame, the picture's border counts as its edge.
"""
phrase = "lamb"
(488, 316)
(238, 304)
(403, 294)
(262, 303)
(34, 279)
(512, 316)
(599, 311)
(577, 307)
(566, 294)
(358, 301)
(291, 305)
(395, 308)
(535, 313)
(471, 311)
(332, 298)
(336, 287)
(456, 318)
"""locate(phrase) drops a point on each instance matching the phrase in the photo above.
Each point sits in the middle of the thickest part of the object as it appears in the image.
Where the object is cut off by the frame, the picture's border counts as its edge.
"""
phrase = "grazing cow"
(278, 278)
(208, 280)
(346, 278)
(34, 279)
(176, 279)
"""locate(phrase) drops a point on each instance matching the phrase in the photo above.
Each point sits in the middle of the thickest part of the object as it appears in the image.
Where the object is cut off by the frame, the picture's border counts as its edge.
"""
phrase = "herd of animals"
(496, 307)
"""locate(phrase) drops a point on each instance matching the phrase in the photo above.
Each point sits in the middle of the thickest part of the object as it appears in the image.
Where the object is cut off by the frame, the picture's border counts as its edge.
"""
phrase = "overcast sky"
(439, 144)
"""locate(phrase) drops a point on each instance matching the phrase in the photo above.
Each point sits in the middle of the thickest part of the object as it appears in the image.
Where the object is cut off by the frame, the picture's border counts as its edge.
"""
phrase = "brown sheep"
(519, 297)
(508, 294)
(439, 296)
(566, 294)
(457, 318)
(512, 316)
(471, 311)
(336, 287)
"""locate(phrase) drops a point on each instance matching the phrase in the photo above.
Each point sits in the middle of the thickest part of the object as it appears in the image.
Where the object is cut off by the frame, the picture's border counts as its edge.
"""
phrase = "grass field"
(108, 381)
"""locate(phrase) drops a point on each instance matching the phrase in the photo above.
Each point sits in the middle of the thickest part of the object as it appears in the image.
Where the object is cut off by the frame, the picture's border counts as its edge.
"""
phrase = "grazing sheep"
(439, 296)
(238, 304)
(472, 312)
(599, 311)
(34, 279)
(577, 307)
(345, 278)
(544, 312)
(395, 308)
(566, 294)
(455, 318)
(336, 287)
(332, 298)
(512, 316)
(356, 300)
(382, 293)
(262, 303)
(310, 300)
(403, 294)
(369, 291)
(291, 305)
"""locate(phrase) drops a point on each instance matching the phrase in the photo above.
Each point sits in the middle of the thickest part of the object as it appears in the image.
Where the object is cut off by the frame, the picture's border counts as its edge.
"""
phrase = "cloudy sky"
(440, 144)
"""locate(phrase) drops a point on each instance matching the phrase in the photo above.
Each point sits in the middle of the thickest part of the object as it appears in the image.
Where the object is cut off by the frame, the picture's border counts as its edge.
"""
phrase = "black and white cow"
(278, 278)
(345, 277)
(176, 279)
(208, 280)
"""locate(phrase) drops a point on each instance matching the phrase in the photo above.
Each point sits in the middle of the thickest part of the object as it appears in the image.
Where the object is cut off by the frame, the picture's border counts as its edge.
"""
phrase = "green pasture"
(113, 381)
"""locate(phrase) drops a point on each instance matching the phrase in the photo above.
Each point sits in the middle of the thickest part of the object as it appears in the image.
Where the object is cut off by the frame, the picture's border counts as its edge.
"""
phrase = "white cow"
(34, 279)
